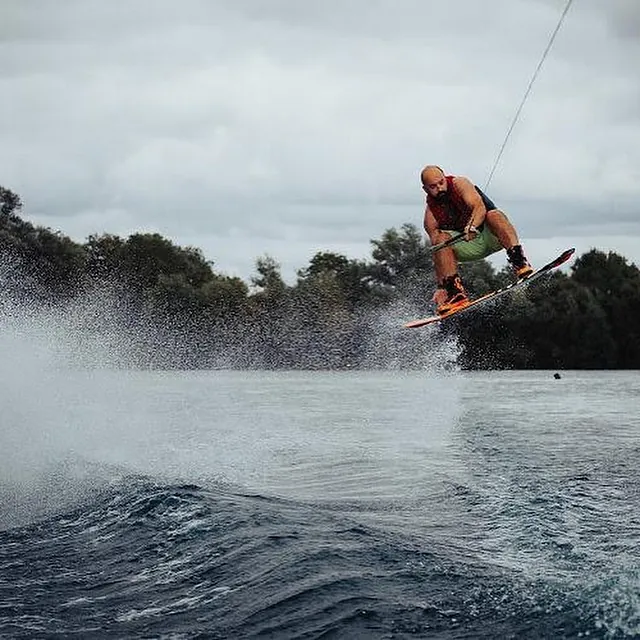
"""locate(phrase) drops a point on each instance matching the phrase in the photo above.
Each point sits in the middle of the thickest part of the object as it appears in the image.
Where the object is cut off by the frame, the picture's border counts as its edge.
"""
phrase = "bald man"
(455, 206)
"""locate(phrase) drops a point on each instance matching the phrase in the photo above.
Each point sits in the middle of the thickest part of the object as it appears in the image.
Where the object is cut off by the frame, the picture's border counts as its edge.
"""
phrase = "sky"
(283, 128)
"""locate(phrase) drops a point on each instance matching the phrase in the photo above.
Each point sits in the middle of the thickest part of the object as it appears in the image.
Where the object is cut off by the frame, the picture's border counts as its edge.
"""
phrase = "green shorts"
(483, 245)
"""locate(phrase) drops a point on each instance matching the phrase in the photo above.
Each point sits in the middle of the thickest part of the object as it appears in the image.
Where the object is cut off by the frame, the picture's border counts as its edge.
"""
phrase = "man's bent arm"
(473, 200)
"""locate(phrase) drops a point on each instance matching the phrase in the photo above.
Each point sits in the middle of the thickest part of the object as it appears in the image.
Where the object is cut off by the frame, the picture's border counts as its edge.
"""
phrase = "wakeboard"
(538, 273)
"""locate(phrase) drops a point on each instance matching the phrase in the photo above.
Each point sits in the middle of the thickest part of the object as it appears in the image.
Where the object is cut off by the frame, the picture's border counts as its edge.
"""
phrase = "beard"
(440, 197)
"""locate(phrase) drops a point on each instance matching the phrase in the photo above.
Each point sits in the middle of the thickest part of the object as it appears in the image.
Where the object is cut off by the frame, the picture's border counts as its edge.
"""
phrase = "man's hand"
(440, 296)
(470, 232)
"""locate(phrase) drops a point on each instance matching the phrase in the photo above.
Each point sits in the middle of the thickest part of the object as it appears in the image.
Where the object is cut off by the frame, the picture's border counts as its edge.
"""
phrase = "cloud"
(624, 16)
(246, 127)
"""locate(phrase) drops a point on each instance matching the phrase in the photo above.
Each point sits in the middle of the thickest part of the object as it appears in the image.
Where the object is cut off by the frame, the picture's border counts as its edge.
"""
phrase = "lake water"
(375, 504)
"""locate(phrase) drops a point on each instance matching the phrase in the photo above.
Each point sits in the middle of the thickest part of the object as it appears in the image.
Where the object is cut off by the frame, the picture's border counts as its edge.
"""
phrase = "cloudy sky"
(282, 127)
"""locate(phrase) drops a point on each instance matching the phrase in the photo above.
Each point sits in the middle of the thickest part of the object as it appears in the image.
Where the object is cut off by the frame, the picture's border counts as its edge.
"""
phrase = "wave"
(135, 557)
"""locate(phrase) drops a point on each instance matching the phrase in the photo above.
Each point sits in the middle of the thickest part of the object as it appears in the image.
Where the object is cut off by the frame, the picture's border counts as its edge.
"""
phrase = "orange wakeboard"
(550, 266)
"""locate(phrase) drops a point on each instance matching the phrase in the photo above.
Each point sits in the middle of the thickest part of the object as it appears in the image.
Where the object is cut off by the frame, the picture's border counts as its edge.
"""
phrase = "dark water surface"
(308, 505)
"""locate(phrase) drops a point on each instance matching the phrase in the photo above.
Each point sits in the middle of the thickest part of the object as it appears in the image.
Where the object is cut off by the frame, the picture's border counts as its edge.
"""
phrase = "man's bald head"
(431, 174)
(434, 181)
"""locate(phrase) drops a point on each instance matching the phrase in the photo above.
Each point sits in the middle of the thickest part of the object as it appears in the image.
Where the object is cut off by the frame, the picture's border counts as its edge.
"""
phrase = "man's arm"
(430, 225)
(472, 199)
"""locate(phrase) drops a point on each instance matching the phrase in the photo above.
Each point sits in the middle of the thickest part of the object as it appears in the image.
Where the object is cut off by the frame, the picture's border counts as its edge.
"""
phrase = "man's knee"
(496, 215)
(497, 221)
(440, 236)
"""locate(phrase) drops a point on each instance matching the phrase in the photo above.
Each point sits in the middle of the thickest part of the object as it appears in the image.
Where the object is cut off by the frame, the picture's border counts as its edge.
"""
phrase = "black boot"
(456, 295)
(519, 262)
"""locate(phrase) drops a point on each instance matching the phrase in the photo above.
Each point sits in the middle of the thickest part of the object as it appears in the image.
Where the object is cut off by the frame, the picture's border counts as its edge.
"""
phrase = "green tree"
(479, 277)
(321, 317)
(402, 264)
(143, 258)
(268, 279)
(615, 286)
(399, 254)
(45, 263)
(10, 202)
(352, 277)
(148, 256)
(104, 256)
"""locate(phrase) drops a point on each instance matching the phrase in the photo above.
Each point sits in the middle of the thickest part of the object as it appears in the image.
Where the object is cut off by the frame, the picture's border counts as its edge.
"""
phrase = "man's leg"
(502, 228)
(505, 232)
(449, 293)
(444, 260)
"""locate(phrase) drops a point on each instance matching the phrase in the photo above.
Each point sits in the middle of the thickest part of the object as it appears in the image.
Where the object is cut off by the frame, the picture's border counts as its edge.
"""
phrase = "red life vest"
(453, 212)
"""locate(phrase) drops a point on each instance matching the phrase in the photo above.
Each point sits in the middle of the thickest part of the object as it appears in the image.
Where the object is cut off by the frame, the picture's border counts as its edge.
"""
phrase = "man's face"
(435, 186)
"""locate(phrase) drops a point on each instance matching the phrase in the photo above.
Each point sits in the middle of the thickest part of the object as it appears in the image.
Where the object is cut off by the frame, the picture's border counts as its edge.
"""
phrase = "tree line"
(339, 313)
